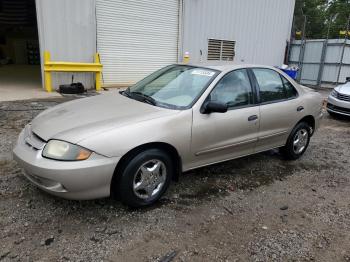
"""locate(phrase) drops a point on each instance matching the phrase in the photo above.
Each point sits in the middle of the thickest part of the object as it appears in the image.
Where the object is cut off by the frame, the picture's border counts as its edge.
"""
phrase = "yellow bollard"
(186, 58)
(47, 74)
(98, 78)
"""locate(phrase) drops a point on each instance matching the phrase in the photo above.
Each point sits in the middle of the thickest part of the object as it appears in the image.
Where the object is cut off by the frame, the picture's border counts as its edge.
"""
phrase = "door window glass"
(289, 88)
(233, 89)
(270, 83)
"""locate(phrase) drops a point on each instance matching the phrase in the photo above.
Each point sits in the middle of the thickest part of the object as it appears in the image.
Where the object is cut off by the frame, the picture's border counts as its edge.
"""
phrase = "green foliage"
(321, 14)
(339, 12)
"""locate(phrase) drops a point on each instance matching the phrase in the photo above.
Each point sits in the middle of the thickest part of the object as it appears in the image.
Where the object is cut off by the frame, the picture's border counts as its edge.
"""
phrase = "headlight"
(60, 150)
(334, 93)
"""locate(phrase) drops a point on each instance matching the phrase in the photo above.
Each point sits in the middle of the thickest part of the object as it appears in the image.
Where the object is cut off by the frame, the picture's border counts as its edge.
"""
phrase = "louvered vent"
(221, 50)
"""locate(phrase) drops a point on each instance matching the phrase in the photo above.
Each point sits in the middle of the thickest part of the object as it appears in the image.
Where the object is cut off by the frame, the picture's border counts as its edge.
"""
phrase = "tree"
(314, 10)
(319, 15)
(338, 12)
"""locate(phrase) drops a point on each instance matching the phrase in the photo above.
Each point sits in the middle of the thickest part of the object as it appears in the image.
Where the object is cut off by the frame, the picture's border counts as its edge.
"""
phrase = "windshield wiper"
(125, 93)
(145, 98)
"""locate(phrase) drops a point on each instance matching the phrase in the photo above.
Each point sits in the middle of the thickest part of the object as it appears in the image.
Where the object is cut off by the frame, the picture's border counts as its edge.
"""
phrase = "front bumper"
(80, 180)
(338, 106)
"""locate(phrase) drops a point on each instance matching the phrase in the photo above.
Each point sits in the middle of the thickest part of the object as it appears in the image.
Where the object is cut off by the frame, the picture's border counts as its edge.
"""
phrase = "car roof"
(230, 67)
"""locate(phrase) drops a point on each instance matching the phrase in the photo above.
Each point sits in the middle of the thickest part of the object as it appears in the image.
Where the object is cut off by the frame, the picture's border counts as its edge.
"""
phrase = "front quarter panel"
(174, 129)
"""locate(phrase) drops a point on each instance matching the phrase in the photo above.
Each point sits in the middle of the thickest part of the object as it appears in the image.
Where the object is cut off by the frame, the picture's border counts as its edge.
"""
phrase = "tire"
(145, 178)
(293, 149)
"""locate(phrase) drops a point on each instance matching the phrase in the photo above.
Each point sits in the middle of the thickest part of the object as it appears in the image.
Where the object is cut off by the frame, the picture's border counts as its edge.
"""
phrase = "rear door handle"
(252, 118)
(300, 108)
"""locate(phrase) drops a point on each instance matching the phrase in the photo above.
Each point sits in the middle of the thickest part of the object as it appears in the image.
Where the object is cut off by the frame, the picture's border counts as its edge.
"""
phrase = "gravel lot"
(257, 208)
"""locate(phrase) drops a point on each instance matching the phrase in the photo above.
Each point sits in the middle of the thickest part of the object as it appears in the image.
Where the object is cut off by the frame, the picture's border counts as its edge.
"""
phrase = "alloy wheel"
(300, 141)
(149, 179)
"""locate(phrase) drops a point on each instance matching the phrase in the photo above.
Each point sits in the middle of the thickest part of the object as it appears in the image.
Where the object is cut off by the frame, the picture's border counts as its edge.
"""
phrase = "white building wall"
(259, 27)
(67, 29)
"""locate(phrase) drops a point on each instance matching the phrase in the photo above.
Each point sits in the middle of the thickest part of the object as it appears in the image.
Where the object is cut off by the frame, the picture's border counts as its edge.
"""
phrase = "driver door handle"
(300, 108)
(252, 118)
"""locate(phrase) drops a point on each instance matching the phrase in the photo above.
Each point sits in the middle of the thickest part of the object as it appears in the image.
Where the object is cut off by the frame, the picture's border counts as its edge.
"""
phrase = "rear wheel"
(145, 178)
(297, 142)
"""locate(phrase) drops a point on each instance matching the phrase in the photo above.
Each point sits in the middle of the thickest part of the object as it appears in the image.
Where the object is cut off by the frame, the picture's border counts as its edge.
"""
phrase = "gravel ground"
(257, 208)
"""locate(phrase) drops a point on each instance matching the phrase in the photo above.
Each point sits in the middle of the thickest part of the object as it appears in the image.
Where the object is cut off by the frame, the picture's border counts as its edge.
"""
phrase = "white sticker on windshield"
(202, 72)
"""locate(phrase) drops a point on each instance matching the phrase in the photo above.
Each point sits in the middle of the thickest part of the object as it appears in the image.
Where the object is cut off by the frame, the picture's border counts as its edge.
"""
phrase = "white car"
(339, 100)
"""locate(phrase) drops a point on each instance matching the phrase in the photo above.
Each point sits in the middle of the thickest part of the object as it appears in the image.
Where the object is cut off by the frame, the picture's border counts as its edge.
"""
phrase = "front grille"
(338, 108)
(343, 97)
(38, 137)
(33, 140)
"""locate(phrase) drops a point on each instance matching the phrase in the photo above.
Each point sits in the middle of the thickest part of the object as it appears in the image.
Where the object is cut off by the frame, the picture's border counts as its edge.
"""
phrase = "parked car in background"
(132, 143)
(339, 100)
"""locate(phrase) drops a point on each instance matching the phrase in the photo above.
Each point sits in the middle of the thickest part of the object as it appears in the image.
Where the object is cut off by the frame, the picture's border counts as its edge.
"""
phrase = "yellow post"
(186, 58)
(98, 74)
(52, 66)
(47, 74)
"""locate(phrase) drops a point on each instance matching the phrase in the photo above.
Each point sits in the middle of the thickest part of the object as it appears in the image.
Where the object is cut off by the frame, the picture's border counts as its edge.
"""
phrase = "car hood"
(79, 119)
(344, 89)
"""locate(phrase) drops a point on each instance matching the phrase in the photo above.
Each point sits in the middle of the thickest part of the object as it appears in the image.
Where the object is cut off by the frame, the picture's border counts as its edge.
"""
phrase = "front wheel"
(145, 178)
(297, 142)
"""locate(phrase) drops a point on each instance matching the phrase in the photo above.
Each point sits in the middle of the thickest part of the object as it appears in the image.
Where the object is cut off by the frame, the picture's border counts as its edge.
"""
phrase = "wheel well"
(133, 152)
(310, 120)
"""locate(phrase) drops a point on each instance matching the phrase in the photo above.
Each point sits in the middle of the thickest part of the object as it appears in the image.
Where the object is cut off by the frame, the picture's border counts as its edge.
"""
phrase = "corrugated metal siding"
(68, 30)
(260, 28)
(135, 38)
(312, 60)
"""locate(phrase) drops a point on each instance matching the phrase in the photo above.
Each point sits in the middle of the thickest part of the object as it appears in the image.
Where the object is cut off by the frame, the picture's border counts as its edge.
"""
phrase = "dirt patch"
(257, 208)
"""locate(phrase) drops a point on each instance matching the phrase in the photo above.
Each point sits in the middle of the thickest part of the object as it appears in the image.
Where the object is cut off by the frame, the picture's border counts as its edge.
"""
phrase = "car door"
(280, 108)
(221, 136)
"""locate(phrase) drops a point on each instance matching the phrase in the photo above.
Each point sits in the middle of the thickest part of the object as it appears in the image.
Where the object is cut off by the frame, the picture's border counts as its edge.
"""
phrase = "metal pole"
(302, 50)
(343, 51)
(323, 56)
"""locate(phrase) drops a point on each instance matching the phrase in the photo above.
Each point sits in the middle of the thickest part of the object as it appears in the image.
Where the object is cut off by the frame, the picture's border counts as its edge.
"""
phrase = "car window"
(270, 84)
(289, 88)
(233, 89)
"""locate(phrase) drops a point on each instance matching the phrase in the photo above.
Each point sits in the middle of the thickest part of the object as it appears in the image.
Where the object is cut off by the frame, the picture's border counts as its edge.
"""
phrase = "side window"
(270, 84)
(289, 88)
(234, 89)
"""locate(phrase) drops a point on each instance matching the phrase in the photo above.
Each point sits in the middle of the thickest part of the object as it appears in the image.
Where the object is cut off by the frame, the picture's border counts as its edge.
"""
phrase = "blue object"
(292, 73)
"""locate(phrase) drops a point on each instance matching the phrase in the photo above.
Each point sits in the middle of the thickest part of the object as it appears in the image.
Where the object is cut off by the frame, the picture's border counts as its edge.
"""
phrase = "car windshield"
(175, 86)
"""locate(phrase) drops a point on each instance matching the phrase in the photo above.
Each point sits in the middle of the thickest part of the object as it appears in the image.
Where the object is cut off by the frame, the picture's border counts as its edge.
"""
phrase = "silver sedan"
(131, 144)
(338, 102)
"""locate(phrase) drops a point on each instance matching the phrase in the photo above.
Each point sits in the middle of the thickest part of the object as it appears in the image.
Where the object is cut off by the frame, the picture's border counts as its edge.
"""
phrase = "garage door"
(136, 37)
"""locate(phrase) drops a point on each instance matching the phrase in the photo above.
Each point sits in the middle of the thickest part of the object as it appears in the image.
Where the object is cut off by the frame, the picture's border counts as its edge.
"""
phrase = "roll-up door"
(136, 37)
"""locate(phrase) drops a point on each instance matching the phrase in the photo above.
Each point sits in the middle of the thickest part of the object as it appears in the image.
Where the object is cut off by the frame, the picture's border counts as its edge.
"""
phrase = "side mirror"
(214, 107)
(347, 79)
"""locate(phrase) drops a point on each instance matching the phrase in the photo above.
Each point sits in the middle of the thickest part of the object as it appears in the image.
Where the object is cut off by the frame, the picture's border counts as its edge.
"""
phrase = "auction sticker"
(202, 72)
